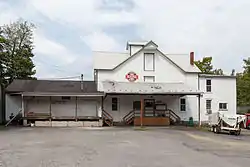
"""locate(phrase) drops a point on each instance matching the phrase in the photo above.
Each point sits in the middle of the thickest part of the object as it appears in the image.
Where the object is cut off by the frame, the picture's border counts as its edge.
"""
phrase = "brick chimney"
(192, 58)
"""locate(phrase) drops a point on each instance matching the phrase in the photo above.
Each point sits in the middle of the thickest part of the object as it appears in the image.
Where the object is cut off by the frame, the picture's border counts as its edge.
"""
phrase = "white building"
(144, 73)
(141, 86)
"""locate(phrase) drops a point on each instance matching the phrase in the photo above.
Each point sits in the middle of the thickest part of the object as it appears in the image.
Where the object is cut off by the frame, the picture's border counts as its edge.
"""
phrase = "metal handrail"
(107, 114)
(173, 114)
(13, 118)
(129, 114)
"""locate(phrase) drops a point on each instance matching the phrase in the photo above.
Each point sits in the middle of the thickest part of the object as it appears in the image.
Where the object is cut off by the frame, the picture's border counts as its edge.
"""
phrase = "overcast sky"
(68, 30)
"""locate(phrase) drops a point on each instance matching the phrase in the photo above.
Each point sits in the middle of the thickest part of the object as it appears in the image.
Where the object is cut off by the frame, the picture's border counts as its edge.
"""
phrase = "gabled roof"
(176, 60)
(141, 43)
(53, 86)
(217, 76)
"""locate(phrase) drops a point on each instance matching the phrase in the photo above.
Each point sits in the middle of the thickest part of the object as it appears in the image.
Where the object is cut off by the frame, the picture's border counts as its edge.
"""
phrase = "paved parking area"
(121, 147)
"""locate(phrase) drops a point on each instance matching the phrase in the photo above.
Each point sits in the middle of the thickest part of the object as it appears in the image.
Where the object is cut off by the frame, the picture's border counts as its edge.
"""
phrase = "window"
(136, 105)
(208, 85)
(149, 79)
(209, 106)
(149, 62)
(182, 104)
(222, 106)
(65, 97)
(114, 104)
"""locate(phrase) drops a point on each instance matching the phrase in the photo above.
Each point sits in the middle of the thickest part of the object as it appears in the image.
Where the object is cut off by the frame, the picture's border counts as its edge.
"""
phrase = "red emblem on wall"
(131, 76)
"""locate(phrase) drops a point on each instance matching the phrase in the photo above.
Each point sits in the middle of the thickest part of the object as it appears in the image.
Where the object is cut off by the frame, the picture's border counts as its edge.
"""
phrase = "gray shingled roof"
(56, 86)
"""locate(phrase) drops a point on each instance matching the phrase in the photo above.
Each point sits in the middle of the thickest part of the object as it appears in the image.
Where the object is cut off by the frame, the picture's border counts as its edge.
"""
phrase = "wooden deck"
(152, 121)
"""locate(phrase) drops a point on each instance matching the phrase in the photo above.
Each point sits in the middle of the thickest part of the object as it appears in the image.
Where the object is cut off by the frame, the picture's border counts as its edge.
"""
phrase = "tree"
(206, 67)
(243, 84)
(16, 40)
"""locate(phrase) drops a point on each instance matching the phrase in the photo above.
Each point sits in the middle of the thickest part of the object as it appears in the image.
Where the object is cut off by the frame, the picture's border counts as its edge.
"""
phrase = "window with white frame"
(222, 106)
(149, 79)
(208, 85)
(114, 104)
(182, 104)
(209, 106)
(149, 61)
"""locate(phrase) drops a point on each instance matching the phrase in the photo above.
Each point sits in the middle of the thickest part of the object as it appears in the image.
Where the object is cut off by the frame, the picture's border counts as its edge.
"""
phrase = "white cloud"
(210, 28)
(217, 28)
(99, 41)
(52, 50)
(55, 60)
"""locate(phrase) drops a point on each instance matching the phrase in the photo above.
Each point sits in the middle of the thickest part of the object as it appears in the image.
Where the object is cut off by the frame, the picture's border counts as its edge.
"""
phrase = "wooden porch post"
(76, 110)
(23, 112)
(50, 109)
(199, 109)
(141, 115)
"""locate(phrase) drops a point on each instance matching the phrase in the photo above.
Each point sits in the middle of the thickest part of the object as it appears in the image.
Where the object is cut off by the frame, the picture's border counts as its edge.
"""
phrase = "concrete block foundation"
(75, 124)
(59, 124)
(91, 124)
(43, 123)
(69, 123)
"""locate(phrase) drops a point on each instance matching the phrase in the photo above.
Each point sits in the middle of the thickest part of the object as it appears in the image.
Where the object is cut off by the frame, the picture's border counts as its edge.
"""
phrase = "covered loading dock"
(54, 100)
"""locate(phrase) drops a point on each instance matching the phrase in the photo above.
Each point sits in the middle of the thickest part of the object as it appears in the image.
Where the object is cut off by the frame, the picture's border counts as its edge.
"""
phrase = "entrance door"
(149, 107)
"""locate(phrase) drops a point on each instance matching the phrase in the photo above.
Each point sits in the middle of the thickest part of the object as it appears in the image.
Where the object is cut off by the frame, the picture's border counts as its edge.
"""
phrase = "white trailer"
(219, 122)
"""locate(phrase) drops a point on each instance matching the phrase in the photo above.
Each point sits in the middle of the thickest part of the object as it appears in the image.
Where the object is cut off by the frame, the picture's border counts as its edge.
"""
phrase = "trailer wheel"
(248, 127)
(216, 129)
(237, 133)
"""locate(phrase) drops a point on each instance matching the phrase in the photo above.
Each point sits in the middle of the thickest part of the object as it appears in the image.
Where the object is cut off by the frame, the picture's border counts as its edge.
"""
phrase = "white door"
(37, 105)
(86, 107)
(63, 107)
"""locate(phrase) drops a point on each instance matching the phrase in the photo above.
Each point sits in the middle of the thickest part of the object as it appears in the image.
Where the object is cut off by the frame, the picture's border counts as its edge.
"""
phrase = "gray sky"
(68, 30)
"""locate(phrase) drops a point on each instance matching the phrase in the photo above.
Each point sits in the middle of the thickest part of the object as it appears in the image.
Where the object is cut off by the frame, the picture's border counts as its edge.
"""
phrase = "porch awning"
(112, 87)
(61, 94)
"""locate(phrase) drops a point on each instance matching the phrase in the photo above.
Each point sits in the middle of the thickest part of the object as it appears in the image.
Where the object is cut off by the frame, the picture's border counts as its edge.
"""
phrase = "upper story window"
(149, 79)
(149, 61)
(208, 85)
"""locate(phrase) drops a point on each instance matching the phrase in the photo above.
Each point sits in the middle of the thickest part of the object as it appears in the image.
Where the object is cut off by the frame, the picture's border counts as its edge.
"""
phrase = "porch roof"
(73, 94)
(111, 87)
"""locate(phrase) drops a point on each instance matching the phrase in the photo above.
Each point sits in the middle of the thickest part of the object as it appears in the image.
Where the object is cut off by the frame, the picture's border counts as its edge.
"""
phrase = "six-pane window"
(183, 105)
(114, 104)
(208, 85)
(209, 106)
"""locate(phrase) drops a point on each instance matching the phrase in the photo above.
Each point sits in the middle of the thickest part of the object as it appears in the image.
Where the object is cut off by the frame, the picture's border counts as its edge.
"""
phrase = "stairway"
(107, 118)
(174, 118)
(129, 118)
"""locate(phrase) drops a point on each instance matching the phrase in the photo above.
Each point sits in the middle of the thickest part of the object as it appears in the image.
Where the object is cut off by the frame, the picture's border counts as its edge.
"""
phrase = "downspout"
(199, 110)
(198, 81)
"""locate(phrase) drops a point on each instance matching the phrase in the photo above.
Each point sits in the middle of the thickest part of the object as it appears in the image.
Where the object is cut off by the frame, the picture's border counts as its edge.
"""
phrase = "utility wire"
(56, 67)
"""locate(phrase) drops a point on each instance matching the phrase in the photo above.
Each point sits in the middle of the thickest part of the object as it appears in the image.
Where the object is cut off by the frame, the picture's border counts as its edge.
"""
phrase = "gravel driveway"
(121, 147)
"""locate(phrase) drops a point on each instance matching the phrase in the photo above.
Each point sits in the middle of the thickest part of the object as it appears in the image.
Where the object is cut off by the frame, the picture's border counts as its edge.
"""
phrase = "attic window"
(149, 61)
